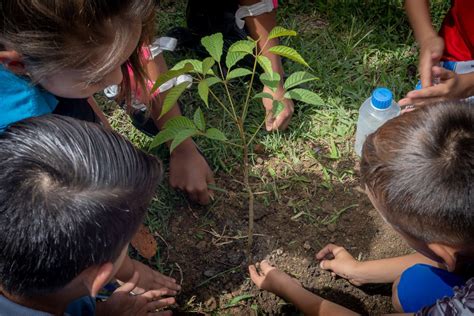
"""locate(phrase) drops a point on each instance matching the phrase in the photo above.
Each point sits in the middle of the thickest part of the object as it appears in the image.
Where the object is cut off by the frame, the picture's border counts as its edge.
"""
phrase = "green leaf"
(214, 45)
(207, 65)
(263, 95)
(233, 58)
(289, 53)
(298, 78)
(179, 122)
(163, 136)
(214, 133)
(197, 66)
(305, 96)
(212, 81)
(243, 46)
(279, 31)
(239, 72)
(181, 137)
(203, 90)
(270, 79)
(236, 300)
(199, 120)
(278, 107)
(265, 63)
(172, 97)
(170, 74)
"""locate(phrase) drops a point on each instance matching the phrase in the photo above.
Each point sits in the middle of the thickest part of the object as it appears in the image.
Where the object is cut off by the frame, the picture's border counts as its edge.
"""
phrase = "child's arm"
(340, 262)
(189, 170)
(259, 28)
(280, 283)
(431, 45)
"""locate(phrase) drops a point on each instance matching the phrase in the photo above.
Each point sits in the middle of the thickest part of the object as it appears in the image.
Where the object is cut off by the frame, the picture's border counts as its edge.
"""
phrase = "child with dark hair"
(418, 171)
(72, 195)
(56, 54)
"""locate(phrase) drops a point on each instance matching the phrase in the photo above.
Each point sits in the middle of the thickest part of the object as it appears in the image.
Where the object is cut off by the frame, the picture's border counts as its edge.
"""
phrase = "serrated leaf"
(270, 79)
(199, 120)
(172, 97)
(214, 44)
(305, 96)
(170, 74)
(297, 78)
(263, 95)
(181, 137)
(289, 53)
(163, 136)
(233, 58)
(214, 133)
(265, 63)
(207, 65)
(279, 31)
(243, 46)
(197, 66)
(179, 123)
(203, 91)
(277, 108)
(239, 72)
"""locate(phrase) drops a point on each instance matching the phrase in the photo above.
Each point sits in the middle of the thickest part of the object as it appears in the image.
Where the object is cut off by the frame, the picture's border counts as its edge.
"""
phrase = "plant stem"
(229, 96)
(247, 99)
(256, 132)
(224, 107)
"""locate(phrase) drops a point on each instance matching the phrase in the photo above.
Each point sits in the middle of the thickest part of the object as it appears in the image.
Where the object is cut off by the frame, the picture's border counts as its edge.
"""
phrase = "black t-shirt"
(76, 108)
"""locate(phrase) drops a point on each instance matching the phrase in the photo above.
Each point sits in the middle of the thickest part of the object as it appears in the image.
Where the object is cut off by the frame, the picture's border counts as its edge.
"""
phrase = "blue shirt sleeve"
(20, 99)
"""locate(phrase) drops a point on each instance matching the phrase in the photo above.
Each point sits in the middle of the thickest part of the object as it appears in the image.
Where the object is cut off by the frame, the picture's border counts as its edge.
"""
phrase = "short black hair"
(420, 169)
(72, 195)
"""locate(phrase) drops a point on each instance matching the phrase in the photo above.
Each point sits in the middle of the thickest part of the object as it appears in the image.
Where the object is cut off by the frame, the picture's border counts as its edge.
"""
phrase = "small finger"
(430, 92)
(161, 303)
(155, 294)
(254, 274)
(327, 250)
(265, 266)
(128, 286)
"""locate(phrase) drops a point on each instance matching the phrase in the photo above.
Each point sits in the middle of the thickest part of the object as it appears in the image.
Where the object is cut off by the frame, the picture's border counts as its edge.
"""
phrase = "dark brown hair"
(85, 35)
(420, 169)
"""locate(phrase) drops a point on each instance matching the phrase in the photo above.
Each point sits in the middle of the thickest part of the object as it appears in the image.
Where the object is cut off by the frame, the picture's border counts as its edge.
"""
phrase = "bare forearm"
(387, 270)
(418, 12)
(311, 304)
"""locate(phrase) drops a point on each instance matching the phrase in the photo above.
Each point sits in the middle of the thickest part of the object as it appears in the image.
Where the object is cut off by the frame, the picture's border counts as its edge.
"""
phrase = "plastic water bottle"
(373, 113)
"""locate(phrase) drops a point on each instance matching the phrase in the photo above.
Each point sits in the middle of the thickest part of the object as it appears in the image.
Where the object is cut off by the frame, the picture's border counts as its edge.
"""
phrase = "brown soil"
(207, 246)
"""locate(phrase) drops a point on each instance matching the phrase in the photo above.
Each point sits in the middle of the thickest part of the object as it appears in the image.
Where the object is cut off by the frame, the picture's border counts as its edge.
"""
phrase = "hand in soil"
(153, 280)
(340, 262)
(269, 278)
(190, 172)
(280, 122)
(123, 302)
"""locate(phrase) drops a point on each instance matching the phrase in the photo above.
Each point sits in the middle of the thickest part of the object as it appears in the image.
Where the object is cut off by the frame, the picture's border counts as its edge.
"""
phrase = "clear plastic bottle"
(373, 113)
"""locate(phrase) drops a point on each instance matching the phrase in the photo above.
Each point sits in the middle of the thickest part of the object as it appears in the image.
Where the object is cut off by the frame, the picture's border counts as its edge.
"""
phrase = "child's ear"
(447, 253)
(12, 61)
(98, 277)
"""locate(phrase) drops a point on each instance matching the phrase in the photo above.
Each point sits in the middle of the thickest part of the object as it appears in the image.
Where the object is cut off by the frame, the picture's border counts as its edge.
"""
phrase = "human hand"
(340, 262)
(451, 86)
(431, 51)
(190, 172)
(150, 279)
(281, 121)
(270, 278)
(123, 302)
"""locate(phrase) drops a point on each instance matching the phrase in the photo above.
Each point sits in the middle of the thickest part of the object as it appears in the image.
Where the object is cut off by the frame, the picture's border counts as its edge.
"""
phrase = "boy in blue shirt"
(418, 172)
(72, 195)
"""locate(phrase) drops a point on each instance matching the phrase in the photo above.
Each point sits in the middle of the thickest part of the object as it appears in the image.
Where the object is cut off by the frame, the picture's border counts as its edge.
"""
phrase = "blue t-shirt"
(19, 99)
(84, 306)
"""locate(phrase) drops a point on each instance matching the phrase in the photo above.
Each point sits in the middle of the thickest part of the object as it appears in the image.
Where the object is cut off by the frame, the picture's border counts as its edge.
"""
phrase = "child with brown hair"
(56, 54)
(418, 172)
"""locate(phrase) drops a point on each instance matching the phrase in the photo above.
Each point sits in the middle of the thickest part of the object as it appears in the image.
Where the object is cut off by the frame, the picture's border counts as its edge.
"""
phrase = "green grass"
(353, 47)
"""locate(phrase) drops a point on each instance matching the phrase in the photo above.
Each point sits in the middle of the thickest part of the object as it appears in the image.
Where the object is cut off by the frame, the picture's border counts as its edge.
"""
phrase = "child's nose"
(115, 77)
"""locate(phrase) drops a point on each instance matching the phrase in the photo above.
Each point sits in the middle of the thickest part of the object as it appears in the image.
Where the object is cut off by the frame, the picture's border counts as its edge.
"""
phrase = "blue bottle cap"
(381, 98)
